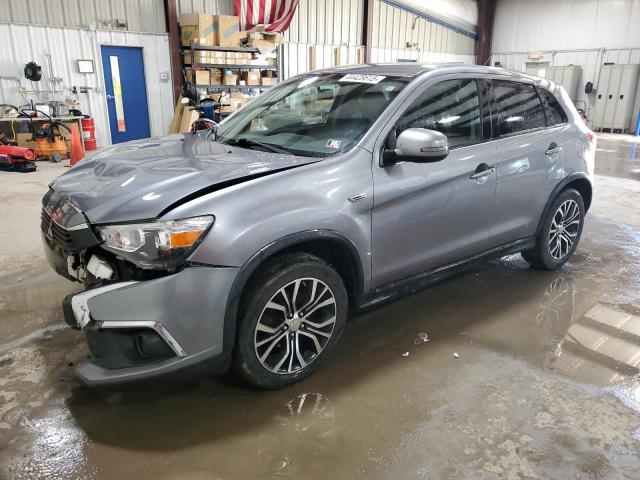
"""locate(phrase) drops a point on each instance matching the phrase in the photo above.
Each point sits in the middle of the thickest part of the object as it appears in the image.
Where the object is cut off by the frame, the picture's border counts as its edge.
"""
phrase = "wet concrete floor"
(546, 382)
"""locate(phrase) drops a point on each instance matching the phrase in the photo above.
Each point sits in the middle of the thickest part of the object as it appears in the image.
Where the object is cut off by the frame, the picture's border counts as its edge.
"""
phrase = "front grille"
(68, 240)
(55, 232)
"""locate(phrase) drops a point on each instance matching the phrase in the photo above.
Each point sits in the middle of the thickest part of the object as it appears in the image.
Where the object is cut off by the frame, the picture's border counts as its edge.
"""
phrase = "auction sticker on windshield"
(361, 78)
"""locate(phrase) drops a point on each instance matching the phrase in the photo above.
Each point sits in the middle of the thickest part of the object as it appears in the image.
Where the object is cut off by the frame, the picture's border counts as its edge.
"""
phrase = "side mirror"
(418, 145)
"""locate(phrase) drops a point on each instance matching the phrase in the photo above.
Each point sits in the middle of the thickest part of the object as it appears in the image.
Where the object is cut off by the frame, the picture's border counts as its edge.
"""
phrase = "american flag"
(276, 15)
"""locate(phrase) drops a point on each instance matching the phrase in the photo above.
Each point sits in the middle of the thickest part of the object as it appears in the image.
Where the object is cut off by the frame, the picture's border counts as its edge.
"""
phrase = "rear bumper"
(141, 331)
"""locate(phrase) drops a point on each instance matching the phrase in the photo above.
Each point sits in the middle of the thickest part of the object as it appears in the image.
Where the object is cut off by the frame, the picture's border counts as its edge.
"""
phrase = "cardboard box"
(226, 31)
(230, 79)
(196, 27)
(188, 117)
(251, 77)
(261, 43)
(202, 77)
(215, 75)
(274, 37)
(269, 81)
(233, 104)
(199, 57)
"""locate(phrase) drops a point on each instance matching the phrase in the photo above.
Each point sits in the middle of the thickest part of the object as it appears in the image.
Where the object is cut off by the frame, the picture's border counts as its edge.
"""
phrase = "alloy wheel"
(295, 326)
(565, 226)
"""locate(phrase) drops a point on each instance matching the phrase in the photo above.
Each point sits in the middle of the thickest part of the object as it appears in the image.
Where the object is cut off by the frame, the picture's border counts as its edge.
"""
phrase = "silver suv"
(246, 246)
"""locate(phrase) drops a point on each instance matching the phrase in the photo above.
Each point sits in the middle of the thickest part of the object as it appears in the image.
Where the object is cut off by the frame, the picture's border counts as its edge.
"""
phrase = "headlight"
(158, 245)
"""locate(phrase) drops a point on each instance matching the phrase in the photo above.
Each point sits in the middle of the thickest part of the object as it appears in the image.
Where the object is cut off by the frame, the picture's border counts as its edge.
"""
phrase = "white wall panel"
(213, 7)
(67, 45)
(531, 25)
(138, 15)
(463, 13)
(429, 41)
(331, 22)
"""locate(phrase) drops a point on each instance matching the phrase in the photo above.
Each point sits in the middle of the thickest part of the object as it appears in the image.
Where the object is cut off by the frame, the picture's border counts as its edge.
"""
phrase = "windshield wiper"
(247, 142)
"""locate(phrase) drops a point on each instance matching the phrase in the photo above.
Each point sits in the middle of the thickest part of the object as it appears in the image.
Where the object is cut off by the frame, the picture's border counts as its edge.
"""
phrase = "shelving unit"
(192, 49)
(241, 88)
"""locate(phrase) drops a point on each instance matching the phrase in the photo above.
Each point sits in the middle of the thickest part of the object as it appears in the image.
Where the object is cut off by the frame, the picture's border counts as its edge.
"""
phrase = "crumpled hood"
(140, 179)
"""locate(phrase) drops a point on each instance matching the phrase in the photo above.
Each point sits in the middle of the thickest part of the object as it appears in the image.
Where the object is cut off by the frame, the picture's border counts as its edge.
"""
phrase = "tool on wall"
(33, 71)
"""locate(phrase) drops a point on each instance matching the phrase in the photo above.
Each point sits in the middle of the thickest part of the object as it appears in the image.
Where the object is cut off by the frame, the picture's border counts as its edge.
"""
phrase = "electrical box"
(615, 97)
(568, 76)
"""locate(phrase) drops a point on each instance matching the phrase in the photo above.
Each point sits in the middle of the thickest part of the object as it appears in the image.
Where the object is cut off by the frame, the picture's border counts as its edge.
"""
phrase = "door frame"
(392, 119)
(104, 83)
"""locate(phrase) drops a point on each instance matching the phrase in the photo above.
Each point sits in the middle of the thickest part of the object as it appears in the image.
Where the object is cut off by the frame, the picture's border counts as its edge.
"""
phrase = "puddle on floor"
(32, 302)
(372, 411)
(618, 156)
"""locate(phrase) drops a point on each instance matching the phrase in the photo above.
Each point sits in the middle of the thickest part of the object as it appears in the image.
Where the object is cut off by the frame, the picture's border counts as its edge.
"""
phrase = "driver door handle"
(482, 170)
(553, 148)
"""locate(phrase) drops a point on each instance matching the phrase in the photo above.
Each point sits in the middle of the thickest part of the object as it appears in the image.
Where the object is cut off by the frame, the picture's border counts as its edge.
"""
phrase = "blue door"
(126, 93)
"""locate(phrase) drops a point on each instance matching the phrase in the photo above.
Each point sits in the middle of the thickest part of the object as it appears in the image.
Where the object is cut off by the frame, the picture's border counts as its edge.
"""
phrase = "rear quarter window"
(518, 106)
(555, 112)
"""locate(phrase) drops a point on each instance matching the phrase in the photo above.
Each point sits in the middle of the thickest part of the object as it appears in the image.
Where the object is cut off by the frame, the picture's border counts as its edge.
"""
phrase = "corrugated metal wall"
(66, 45)
(330, 22)
(213, 7)
(400, 34)
(136, 15)
(527, 25)
(326, 25)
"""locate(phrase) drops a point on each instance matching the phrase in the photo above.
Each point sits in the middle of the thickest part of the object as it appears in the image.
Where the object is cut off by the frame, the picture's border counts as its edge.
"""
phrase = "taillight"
(591, 136)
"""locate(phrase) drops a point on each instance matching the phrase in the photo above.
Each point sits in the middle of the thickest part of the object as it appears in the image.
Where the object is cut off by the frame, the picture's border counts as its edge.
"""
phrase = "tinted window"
(518, 107)
(555, 110)
(451, 107)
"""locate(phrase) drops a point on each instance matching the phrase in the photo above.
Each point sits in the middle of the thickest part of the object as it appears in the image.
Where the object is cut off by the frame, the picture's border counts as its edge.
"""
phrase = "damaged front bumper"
(141, 330)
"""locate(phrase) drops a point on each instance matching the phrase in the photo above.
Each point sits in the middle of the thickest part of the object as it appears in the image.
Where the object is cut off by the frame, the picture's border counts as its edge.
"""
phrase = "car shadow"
(423, 330)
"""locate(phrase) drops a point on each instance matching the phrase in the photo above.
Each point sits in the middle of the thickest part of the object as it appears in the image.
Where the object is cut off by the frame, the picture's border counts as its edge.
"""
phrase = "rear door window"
(518, 108)
(554, 111)
(451, 107)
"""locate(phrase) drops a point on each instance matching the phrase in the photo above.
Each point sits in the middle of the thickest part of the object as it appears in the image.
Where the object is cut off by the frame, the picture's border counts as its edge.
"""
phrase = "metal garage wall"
(213, 7)
(401, 34)
(325, 25)
(24, 43)
(528, 25)
(130, 15)
(579, 32)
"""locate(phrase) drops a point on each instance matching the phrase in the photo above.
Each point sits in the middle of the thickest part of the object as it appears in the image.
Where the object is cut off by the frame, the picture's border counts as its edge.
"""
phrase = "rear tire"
(295, 310)
(560, 232)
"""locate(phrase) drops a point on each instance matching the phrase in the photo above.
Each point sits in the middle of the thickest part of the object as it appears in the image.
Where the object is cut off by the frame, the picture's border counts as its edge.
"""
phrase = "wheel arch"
(331, 246)
(580, 182)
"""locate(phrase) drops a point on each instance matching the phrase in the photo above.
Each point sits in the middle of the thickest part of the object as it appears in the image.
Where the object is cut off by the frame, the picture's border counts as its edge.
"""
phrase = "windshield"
(313, 115)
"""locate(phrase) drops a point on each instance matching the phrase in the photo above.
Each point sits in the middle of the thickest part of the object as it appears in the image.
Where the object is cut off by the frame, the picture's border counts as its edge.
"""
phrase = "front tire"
(560, 232)
(295, 311)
